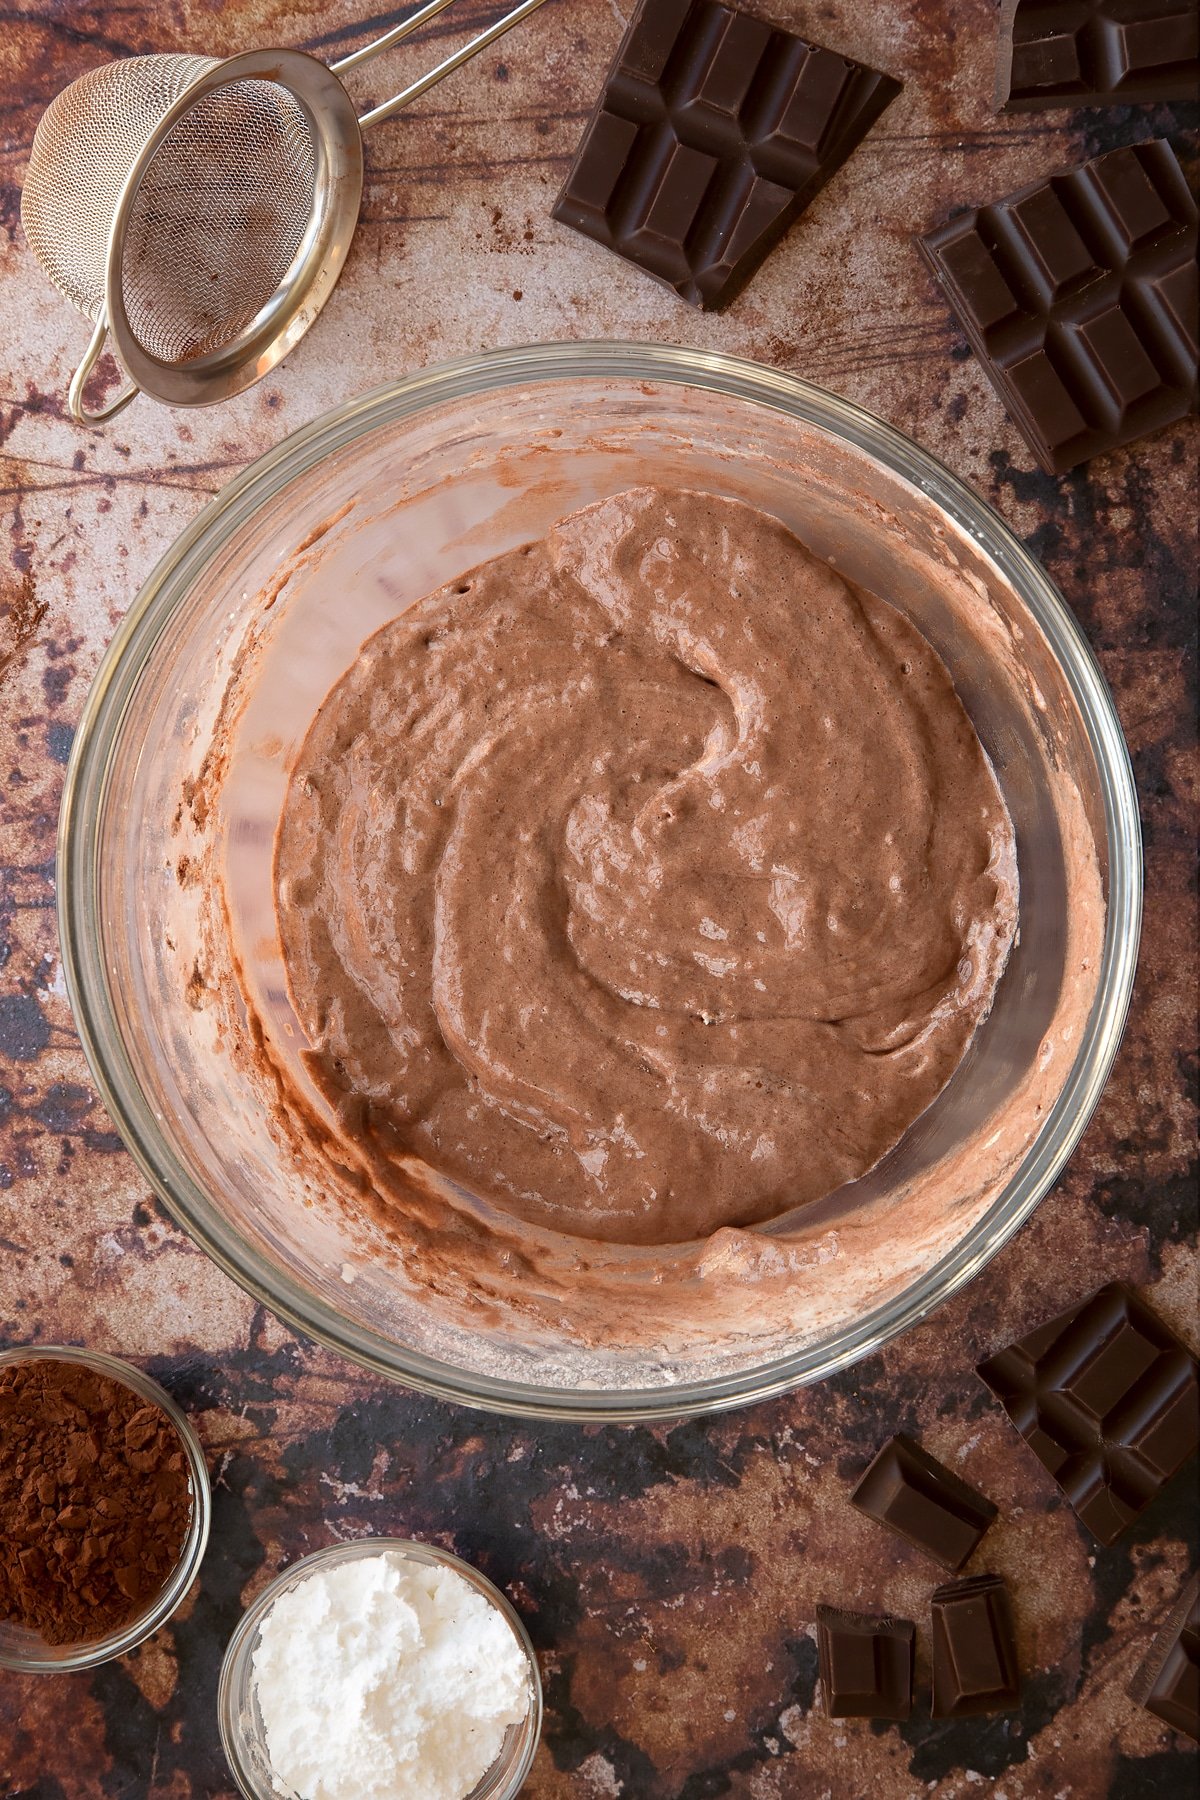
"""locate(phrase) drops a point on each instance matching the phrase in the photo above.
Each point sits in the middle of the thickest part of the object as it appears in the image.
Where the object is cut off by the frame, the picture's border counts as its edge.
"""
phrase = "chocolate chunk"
(1108, 1399)
(925, 1502)
(1097, 52)
(866, 1664)
(1079, 296)
(974, 1649)
(713, 133)
(1168, 1682)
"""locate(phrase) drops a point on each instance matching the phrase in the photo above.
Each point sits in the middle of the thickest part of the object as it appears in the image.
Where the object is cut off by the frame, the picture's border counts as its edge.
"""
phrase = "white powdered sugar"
(382, 1678)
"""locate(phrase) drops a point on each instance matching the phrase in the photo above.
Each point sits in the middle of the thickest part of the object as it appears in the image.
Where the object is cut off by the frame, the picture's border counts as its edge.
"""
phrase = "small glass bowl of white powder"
(380, 1670)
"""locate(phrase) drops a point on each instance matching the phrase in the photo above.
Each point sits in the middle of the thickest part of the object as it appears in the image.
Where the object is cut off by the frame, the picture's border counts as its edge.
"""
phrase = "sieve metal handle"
(91, 357)
(398, 33)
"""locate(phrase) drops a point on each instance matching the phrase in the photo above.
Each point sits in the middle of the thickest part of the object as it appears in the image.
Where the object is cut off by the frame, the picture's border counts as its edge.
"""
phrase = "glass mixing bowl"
(265, 600)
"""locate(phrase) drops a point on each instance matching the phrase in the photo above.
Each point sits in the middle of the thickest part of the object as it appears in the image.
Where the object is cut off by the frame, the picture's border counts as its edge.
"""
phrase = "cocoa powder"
(95, 1500)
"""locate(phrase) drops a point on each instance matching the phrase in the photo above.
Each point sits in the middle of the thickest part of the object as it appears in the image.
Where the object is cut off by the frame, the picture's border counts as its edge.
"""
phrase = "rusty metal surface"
(670, 1575)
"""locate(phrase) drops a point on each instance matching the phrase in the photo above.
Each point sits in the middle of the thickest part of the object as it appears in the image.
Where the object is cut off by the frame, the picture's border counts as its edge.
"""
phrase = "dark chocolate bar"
(713, 133)
(924, 1501)
(1168, 1682)
(974, 1649)
(1097, 52)
(866, 1664)
(1079, 296)
(1108, 1399)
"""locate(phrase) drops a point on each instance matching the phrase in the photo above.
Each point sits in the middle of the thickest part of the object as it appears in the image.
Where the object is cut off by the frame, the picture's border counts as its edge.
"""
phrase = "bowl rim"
(233, 1680)
(64, 1660)
(149, 616)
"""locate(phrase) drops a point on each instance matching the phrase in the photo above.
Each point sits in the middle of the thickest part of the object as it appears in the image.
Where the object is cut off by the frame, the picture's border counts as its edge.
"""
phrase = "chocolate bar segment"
(1079, 296)
(1168, 1682)
(1107, 1397)
(1097, 52)
(713, 133)
(974, 1649)
(924, 1501)
(866, 1664)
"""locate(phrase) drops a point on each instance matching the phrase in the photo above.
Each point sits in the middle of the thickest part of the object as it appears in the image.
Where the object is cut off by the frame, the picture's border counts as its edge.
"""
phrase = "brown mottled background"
(669, 1576)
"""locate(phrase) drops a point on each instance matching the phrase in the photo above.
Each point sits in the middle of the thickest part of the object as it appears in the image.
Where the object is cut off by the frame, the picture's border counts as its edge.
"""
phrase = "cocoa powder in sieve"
(95, 1500)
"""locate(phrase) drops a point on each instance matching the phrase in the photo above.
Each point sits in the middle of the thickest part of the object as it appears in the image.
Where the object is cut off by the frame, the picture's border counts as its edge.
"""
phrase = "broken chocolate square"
(866, 1664)
(974, 1649)
(712, 135)
(924, 1501)
(1079, 296)
(1168, 1682)
(1097, 52)
(1107, 1397)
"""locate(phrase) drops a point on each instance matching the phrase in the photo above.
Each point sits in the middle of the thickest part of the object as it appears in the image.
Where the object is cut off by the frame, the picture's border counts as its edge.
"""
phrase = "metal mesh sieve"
(200, 210)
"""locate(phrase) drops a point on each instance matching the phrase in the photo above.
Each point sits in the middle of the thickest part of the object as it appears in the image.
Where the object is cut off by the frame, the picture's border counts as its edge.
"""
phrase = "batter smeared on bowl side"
(648, 879)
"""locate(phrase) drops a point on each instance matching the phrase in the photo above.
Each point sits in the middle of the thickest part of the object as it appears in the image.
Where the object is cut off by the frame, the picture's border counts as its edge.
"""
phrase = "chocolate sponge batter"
(650, 878)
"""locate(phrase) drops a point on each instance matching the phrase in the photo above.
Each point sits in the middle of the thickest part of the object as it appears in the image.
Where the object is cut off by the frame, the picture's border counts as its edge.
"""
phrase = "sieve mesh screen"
(219, 215)
(220, 211)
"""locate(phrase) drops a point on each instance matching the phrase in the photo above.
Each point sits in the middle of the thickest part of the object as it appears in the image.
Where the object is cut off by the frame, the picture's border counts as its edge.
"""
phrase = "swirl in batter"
(649, 879)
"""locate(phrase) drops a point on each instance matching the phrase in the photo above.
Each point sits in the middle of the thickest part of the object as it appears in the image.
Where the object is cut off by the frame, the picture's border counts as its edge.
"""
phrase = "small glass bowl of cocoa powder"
(104, 1508)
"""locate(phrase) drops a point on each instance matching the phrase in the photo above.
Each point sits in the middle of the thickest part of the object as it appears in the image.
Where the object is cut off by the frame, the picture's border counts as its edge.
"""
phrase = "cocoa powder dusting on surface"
(21, 612)
(95, 1500)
